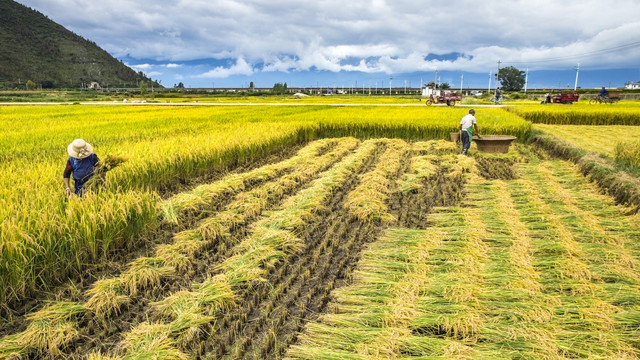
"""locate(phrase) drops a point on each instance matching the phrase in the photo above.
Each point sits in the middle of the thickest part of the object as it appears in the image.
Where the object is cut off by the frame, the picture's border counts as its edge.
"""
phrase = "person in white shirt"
(467, 124)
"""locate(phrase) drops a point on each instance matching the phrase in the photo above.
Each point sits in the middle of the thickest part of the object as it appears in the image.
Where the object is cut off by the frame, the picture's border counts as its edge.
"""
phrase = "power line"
(590, 53)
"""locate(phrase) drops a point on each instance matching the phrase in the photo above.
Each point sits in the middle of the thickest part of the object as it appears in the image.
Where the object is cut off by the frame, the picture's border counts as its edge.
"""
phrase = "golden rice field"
(410, 99)
(45, 238)
(581, 113)
(601, 139)
(315, 232)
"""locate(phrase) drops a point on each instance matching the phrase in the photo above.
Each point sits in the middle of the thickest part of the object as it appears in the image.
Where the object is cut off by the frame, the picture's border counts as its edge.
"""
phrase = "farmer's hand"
(68, 191)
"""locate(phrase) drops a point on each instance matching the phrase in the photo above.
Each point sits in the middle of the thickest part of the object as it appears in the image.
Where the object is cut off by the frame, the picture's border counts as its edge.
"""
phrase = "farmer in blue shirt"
(82, 163)
(604, 93)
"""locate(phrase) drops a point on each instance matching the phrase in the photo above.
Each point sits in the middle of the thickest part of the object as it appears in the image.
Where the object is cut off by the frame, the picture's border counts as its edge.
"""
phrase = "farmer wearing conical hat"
(82, 163)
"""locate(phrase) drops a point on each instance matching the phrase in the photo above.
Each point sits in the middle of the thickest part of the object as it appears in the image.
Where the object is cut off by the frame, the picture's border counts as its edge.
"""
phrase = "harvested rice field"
(345, 248)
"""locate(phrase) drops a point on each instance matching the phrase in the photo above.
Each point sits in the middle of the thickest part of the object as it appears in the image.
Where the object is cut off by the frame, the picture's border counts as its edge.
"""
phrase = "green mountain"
(32, 47)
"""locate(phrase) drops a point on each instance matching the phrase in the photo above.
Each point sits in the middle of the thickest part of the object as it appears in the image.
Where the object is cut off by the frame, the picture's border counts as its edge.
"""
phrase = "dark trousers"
(78, 185)
(466, 142)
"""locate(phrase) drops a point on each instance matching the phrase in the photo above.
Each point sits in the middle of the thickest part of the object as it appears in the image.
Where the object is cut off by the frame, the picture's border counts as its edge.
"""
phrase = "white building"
(632, 85)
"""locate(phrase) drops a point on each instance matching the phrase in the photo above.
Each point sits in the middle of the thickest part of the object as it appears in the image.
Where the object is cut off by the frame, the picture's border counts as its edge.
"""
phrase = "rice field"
(600, 139)
(150, 152)
(581, 113)
(311, 232)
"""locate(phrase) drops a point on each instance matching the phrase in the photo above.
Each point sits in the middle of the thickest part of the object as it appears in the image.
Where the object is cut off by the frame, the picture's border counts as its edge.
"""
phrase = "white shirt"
(467, 121)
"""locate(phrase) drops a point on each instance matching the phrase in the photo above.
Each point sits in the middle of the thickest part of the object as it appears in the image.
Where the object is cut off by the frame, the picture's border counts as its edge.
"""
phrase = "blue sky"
(230, 43)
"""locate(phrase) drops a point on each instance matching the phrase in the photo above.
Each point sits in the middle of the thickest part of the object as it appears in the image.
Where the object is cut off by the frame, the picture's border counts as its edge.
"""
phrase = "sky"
(357, 43)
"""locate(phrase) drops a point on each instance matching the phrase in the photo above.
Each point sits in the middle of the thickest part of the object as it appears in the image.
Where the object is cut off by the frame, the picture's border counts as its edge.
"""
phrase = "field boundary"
(622, 186)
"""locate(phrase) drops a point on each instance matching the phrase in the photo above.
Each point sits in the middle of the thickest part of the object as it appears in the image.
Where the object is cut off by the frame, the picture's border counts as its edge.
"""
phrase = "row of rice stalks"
(368, 202)
(270, 242)
(499, 166)
(175, 209)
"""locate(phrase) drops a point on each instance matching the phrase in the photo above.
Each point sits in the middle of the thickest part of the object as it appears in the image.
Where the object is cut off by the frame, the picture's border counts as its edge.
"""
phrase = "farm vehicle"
(561, 98)
(437, 96)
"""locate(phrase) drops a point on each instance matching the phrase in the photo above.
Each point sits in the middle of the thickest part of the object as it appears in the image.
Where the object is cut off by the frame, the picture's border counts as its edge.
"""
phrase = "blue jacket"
(82, 169)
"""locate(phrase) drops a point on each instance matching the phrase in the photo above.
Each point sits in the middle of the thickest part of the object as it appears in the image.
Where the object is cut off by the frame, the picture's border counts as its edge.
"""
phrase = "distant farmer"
(497, 95)
(82, 163)
(467, 124)
(603, 92)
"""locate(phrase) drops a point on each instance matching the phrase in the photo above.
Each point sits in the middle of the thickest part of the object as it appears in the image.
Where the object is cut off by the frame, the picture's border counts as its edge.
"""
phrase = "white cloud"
(140, 67)
(382, 36)
(241, 67)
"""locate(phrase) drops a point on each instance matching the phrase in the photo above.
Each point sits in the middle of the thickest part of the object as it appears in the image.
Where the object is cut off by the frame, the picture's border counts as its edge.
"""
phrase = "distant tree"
(251, 86)
(30, 85)
(511, 79)
(179, 86)
(279, 88)
(431, 84)
(445, 86)
(143, 87)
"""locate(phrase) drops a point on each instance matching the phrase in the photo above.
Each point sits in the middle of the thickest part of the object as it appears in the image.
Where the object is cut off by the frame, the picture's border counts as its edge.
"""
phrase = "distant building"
(632, 85)
(94, 85)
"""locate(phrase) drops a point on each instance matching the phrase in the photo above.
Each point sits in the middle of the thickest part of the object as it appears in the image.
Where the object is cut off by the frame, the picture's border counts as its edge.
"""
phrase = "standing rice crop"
(605, 140)
(623, 113)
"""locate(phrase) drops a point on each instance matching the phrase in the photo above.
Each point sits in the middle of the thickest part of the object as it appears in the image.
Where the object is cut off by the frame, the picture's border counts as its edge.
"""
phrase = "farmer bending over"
(82, 163)
(466, 130)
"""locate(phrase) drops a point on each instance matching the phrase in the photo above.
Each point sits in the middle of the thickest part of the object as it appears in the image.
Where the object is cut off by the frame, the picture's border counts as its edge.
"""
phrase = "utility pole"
(498, 76)
(575, 87)
(489, 88)
(435, 79)
(526, 80)
(461, 78)
(390, 79)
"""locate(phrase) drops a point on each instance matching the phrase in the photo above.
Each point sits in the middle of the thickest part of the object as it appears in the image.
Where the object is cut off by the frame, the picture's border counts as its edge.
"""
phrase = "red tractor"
(435, 96)
(566, 98)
